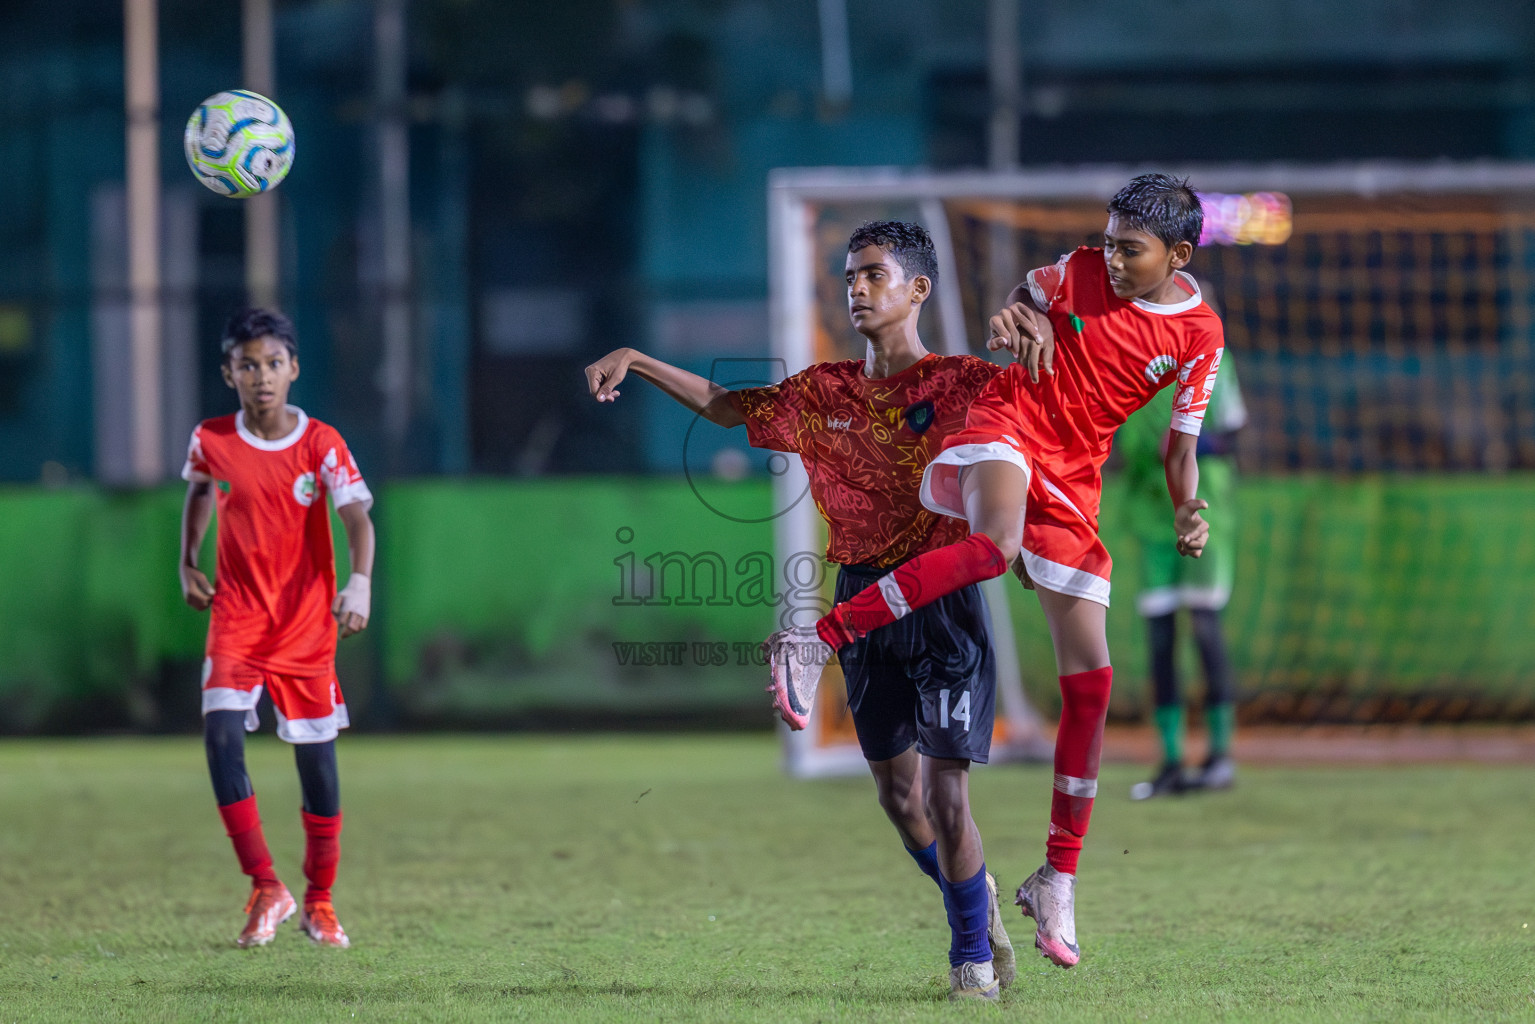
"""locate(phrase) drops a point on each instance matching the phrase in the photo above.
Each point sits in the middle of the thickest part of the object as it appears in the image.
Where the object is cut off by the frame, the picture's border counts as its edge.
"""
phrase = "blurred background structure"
(488, 195)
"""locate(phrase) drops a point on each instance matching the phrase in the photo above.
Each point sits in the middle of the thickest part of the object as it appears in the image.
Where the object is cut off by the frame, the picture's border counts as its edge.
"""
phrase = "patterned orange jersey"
(276, 566)
(865, 443)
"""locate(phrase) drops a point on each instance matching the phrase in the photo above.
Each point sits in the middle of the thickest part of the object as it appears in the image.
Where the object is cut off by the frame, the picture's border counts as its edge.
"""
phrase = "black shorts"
(929, 678)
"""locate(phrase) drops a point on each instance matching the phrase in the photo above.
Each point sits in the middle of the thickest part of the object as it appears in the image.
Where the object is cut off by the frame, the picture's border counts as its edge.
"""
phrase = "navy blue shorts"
(928, 679)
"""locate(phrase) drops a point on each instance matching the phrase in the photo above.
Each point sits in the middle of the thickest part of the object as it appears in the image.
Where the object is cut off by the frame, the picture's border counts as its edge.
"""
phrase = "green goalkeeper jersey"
(1167, 580)
(1142, 440)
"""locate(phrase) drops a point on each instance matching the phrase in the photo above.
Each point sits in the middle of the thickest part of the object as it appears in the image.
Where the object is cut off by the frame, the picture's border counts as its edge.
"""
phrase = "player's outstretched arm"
(1182, 471)
(705, 397)
(1023, 329)
(354, 602)
(196, 513)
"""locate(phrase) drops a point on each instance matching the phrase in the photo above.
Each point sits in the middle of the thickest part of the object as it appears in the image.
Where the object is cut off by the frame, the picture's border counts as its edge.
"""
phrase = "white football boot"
(795, 658)
(973, 981)
(1049, 897)
(1003, 959)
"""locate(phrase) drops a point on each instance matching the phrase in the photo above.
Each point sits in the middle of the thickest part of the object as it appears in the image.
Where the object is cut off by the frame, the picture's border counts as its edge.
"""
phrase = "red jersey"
(865, 443)
(1111, 356)
(276, 567)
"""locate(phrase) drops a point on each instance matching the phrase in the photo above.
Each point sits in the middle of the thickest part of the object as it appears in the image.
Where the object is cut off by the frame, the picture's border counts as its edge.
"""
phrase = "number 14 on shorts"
(961, 712)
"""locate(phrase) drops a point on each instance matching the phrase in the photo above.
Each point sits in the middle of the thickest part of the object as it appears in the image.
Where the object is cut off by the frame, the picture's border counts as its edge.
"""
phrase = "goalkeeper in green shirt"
(1170, 582)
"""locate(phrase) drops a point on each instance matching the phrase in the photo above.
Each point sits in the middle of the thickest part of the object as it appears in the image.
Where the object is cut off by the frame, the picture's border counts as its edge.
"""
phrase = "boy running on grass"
(865, 430)
(1025, 475)
(276, 610)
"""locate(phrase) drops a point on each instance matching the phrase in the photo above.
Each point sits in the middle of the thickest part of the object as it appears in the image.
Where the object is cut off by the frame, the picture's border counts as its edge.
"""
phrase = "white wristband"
(357, 596)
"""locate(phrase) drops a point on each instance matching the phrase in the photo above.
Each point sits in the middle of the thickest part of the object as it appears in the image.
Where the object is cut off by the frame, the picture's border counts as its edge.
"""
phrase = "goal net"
(1381, 318)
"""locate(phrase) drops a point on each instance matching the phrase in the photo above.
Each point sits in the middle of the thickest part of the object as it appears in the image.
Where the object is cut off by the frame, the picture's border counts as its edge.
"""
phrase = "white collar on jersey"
(1168, 309)
(281, 443)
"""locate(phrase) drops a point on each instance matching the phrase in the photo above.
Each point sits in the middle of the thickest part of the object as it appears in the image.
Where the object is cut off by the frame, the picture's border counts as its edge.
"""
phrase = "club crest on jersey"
(1160, 367)
(304, 490)
(920, 416)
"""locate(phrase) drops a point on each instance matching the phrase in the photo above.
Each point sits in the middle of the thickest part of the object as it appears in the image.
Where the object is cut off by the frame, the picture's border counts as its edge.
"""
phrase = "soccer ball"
(239, 143)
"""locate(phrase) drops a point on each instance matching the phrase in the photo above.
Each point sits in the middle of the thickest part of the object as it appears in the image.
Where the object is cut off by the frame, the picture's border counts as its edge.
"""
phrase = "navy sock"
(966, 903)
(927, 860)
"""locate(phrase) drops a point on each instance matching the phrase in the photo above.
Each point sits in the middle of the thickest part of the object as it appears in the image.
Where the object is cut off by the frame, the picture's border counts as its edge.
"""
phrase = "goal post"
(1381, 315)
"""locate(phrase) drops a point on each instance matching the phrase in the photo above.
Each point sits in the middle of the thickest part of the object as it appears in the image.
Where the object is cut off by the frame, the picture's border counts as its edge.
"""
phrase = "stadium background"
(592, 174)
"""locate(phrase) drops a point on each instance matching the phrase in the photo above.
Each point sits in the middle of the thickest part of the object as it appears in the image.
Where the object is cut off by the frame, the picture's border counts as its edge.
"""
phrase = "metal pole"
(142, 74)
(836, 55)
(394, 219)
(1005, 73)
(1004, 67)
(261, 231)
(951, 311)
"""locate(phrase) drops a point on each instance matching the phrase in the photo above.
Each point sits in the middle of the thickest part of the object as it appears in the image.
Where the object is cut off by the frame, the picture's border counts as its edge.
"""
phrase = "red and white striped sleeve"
(1047, 285)
(340, 475)
(1196, 382)
(196, 468)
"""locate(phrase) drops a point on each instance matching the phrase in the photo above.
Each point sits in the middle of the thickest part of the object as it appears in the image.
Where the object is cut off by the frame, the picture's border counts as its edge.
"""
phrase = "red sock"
(919, 582)
(322, 852)
(1078, 745)
(243, 824)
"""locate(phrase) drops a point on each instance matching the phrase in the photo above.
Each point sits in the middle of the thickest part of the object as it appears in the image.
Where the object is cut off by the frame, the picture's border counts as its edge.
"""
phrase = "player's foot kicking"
(1218, 772)
(269, 906)
(973, 981)
(1004, 961)
(795, 658)
(1049, 897)
(318, 921)
(1169, 780)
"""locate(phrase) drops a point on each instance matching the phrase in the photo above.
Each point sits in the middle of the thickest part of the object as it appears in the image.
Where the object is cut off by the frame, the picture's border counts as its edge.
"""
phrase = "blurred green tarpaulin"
(505, 603)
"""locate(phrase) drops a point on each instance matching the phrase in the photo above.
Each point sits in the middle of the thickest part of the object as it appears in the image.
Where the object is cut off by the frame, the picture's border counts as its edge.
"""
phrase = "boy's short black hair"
(906, 243)
(1161, 205)
(249, 323)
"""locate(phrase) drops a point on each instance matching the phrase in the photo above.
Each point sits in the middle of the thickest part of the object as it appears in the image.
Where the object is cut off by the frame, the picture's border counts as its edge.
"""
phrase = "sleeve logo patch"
(304, 490)
(920, 416)
(1160, 367)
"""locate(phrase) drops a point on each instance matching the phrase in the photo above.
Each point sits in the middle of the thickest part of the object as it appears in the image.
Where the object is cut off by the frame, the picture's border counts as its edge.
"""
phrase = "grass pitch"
(684, 879)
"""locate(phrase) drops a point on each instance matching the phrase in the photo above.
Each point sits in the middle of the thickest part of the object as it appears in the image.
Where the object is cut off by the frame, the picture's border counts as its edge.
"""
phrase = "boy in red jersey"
(1025, 474)
(921, 697)
(276, 609)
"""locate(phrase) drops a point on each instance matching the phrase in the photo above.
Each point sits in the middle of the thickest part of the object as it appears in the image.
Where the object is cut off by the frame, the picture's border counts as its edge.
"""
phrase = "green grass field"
(683, 879)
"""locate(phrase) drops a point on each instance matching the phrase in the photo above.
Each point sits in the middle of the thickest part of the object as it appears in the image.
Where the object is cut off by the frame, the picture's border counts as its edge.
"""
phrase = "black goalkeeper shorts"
(928, 679)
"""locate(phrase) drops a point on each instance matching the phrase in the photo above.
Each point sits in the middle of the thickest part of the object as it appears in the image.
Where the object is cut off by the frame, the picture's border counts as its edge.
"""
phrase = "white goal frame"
(793, 195)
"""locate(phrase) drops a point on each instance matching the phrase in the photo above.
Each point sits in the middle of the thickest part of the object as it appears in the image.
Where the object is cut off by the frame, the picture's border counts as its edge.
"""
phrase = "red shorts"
(1061, 549)
(310, 709)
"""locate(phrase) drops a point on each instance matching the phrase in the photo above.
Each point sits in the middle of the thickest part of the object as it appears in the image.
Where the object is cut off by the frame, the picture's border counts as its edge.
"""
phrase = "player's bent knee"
(948, 818)
(995, 494)
(897, 803)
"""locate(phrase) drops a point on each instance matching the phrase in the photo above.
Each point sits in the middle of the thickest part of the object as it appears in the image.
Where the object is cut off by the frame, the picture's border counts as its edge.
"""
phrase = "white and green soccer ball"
(239, 143)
